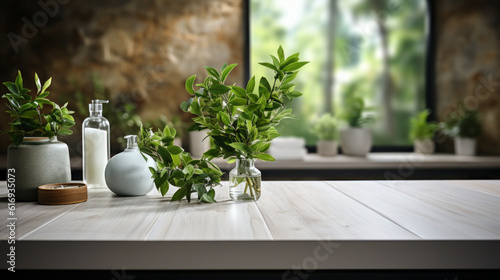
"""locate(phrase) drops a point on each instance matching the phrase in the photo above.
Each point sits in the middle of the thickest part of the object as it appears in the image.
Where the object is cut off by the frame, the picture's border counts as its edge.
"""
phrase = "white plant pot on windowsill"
(465, 146)
(198, 143)
(424, 146)
(327, 148)
(356, 141)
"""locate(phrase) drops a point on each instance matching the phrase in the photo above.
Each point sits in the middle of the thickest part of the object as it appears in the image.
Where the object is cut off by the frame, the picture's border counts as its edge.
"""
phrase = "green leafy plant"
(175, 167)
(354, 112)
(462, 122)
(420, 128)
(30, 118)
(326, 127)
(241, 121)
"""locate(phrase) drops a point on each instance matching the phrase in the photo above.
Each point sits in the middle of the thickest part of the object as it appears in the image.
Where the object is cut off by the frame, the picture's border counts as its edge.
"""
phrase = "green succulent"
(326, 128)
(462, 122)
(420, 128)
(353, 114)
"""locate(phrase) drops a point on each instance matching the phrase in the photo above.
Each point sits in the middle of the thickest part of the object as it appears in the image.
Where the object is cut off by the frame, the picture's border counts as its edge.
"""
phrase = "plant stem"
(249, 183)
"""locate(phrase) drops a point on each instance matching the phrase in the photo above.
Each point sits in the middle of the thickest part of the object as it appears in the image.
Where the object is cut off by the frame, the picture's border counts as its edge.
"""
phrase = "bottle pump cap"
(131, 141)
(96, 105)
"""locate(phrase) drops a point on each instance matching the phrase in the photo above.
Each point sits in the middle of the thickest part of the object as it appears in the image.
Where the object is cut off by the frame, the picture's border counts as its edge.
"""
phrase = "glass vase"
(244, 181)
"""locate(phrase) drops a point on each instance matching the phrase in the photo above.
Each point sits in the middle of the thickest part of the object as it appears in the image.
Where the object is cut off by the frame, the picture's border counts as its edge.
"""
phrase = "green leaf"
(264, 82)
(164, 187)
(38, 84)
(174, 150)
(287, 86)
(212, 72)
(294, 66)
(16, 137)
(291, 59)
(265, 157)
(264, 94)
(295, 93)
(226, 72)
(281, 54)
(261, 146)
(200, 189)
(239, 92)
(219, 89)
(19, 80)
(224, 118)
(241, 147)
(188, 170)
(64, 131)
(209, 197)
(189, 84)
(164, 154)
(25, 107)
(238, 101)
(268, 65)
(46, 84)
(43, 94)
(251, 84)
(195, 107)
(276, 62)
(179, 194)
(185, 105)
(12, 87)
(253, 107)
(211, 153)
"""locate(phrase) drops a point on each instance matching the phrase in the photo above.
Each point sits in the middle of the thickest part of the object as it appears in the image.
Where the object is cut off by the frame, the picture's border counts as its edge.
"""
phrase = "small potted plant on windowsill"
(421, 133)
(327, 132)
(464, 126)
(356, 140)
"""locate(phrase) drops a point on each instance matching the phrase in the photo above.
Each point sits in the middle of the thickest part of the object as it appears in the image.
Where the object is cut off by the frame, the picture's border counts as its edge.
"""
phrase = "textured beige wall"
(142, 49)
(468, 64)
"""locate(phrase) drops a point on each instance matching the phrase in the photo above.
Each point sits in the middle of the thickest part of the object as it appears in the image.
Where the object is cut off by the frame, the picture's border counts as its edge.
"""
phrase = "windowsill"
(377, 161)
(372, 160)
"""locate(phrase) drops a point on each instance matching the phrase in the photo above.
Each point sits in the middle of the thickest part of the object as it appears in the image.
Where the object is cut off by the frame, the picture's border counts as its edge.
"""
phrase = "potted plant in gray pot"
(356, 140)
(326, 130)
(421, 133)
(36, 156)
(464, 126)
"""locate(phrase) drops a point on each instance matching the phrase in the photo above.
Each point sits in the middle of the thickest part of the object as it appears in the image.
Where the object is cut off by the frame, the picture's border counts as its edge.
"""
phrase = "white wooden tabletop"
(366, 224)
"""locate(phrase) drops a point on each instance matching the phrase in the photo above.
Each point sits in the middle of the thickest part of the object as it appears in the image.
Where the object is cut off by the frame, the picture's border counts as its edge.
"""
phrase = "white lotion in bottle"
(96, 147)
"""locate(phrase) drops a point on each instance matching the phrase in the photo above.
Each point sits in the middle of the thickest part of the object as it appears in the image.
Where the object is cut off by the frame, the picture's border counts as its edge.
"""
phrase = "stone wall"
(138, 51)
(468, 64)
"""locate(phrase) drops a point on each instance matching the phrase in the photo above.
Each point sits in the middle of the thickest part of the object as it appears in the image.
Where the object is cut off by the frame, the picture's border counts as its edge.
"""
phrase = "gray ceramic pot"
(38, 161)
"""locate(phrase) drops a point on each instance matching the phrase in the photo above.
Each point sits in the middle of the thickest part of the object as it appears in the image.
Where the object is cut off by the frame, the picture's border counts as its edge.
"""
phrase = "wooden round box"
(62, 193)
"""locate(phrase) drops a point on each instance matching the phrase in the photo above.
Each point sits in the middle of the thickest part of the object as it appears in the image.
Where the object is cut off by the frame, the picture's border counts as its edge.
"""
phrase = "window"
(375, 49)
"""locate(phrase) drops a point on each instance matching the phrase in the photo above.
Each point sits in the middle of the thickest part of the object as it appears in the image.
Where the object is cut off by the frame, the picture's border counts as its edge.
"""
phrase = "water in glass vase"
(245, 188)
(244, 181)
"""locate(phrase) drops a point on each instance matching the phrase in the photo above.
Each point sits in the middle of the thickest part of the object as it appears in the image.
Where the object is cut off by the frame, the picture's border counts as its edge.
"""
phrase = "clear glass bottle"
(244, 181)
(95, 146)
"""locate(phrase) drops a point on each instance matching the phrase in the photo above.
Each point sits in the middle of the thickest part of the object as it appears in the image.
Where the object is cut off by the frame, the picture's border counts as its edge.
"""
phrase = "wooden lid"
(62, 193)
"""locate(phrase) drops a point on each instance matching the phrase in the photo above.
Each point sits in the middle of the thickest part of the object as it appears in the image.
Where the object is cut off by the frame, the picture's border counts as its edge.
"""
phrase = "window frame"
(430, 100)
